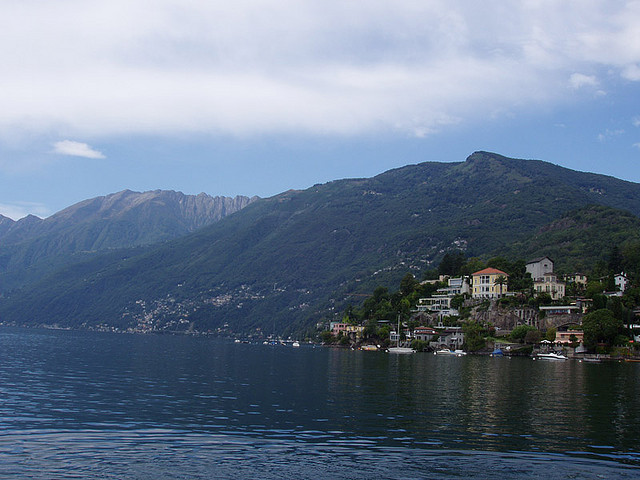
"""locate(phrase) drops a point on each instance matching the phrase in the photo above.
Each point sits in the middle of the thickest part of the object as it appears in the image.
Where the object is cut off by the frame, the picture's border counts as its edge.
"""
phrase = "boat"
(398, 349)
(401, 350)
(295, 344)
(497, 352)
(369, 348)
(551, 356)
(444, 351)
(591, 360)
(459, 353)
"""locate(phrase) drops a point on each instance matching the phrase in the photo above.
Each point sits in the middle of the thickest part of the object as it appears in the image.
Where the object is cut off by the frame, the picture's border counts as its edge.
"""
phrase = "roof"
(491, 271)
(536, 260)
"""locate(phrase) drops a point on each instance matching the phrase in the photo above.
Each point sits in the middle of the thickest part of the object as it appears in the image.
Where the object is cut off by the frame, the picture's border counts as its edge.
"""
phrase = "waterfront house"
(354, 331)
(450, 337)
(564, 337)
(489, 283)
(425, 334)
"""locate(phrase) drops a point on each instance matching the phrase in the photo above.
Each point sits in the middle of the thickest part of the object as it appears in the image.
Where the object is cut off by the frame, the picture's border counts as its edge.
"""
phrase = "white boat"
(551, 356)
(296, 344)
(444, 351)
(398, 349)
(459, 353)
(401, 350)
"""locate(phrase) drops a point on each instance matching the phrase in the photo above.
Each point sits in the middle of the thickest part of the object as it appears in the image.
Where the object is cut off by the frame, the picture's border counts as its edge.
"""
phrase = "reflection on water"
(87, 404)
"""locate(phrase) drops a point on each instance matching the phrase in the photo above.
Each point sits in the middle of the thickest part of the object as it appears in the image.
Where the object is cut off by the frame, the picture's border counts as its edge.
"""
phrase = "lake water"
(94, 405)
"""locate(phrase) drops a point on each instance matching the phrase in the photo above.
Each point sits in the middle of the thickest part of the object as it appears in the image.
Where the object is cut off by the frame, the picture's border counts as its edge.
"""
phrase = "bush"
(519, 333)
(419, 345)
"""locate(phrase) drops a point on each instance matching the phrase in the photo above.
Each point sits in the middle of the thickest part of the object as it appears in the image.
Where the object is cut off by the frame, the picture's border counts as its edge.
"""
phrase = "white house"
(621, 281)
(539, 266)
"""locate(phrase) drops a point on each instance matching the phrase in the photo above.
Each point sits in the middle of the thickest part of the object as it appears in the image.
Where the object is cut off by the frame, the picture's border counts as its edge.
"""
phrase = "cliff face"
(31, 246)
(155, 216)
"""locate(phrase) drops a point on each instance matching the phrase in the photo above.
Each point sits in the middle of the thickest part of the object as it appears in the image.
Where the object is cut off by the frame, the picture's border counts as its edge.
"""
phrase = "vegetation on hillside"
(283, 264)
(604, 326)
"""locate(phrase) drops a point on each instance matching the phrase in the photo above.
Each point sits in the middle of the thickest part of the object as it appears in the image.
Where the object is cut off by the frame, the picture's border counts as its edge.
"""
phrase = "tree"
(473, 337)
(474, 264)
(457, 301)
(452, 263)
(519, 279)
(500, 263)
(502, 281)
(551, 334)
(520, 332)
(532, 336)
(615, 260)
(600, 327)
(408, 284)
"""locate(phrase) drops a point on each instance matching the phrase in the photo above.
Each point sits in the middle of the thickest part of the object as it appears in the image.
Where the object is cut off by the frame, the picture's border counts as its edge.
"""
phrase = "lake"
(97, 405)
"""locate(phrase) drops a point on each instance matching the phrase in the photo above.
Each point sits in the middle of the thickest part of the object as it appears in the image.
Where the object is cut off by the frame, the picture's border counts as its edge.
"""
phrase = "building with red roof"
(489, 283)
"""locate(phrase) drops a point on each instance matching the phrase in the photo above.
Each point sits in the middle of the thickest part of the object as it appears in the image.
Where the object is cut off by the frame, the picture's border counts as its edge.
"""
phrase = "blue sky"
(254, 97)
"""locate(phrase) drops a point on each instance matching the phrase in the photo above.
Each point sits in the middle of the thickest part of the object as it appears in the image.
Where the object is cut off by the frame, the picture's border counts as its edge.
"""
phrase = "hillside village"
(490, 310)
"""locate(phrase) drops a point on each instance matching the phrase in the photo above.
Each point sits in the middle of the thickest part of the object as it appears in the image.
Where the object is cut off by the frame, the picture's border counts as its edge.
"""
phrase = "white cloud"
(635, 121)
(631, 72)
(608, 134)
(578, 80)
(636, 145)
(18, 210)
(79, 68)
(76, 149)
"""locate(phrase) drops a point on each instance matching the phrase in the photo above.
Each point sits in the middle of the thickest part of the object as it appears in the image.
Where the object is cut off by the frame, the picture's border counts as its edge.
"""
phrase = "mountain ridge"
(119, 220)
(296, 258)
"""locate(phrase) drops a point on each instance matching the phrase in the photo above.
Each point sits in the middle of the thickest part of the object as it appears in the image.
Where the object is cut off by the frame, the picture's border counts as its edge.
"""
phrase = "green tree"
(452, 263)
(551, 334)
(474, 264)
(408, 284)
(500, 263)
(457, 301)
(600, 326)
(474, 339)
(615, 260)
(419, 345)
(532, 336)
(327, 337)
(519, 279)
(501, 281)
(519, 333)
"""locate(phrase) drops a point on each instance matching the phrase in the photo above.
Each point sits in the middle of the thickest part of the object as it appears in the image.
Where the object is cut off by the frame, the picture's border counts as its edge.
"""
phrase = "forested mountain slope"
(283, 263)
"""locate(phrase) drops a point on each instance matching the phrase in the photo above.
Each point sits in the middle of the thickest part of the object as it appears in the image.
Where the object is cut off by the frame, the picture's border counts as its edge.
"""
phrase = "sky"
(256, 97)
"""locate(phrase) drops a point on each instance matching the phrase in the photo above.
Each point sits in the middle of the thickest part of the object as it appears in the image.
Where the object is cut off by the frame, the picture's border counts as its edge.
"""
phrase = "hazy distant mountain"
(285, 262)
(30, 246)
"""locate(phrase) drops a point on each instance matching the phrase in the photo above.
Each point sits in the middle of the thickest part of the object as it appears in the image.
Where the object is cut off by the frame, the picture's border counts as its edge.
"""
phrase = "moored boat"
(398, 349)
(369, 348)
(551, 356)
(401, 350)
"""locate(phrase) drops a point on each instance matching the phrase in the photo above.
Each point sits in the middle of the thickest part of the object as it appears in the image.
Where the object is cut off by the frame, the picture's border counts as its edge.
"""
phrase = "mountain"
(32, 246)
(283, 263)
(581, 238)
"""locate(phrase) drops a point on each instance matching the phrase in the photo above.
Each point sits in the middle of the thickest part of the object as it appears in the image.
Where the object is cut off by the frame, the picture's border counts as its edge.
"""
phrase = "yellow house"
(549, 284)
(489, 283)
